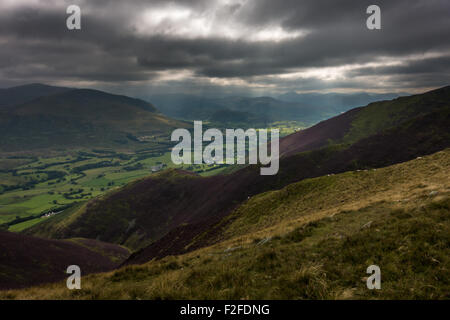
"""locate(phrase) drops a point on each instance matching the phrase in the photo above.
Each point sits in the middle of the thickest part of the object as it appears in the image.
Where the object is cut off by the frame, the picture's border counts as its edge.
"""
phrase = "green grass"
(97, 181)
(382, 115)
(330, 230)
(325, 259)
(57, 222)
(24, 225)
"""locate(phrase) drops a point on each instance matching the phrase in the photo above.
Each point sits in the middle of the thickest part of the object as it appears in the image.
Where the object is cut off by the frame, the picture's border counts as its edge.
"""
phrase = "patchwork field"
(31, 187)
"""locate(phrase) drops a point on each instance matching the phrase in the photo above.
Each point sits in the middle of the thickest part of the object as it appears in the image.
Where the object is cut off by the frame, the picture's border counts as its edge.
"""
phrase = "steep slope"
(145, 210)
(27, 261)
(18, 95)
(360, 123)
(425, 134)
(173, 208)
(81, 117)
(320, 135)
(393, 146)
(310, 240)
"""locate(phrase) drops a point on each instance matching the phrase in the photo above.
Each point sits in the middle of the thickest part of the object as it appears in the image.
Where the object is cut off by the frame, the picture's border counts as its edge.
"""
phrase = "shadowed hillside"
(310, 240)
(82, 118)
(14, 96)
(27, 261)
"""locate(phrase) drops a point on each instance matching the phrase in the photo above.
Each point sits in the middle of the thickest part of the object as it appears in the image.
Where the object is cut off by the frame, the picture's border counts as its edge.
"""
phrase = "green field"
(29, 189)
(33, 185)
(24, 225)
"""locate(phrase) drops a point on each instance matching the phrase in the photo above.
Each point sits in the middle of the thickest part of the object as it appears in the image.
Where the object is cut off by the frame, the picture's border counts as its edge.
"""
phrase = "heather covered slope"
(145, 210)
(171, 209)
(189, 237)
(364, 122)
(419, 136)
(27, 261)
(310, 240)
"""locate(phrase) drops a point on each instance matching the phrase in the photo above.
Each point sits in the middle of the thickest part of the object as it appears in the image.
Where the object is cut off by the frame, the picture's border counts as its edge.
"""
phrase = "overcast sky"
(227, 46)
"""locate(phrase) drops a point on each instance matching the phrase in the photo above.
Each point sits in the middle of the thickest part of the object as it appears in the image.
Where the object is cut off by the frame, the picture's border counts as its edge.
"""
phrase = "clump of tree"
(96, 165)
(137, 166)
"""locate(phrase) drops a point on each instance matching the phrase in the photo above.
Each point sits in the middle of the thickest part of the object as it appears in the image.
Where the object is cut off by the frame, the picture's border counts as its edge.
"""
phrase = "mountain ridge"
(26, 260)
(12, 96)
(82, 118)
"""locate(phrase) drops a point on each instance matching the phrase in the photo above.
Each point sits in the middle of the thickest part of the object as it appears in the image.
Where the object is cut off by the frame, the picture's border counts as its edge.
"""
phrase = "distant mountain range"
(308, 108)
(337, 100)
(40, 117)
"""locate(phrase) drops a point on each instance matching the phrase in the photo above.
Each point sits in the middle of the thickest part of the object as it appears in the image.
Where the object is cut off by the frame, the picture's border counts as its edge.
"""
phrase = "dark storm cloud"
(423, 66)
(208, 39)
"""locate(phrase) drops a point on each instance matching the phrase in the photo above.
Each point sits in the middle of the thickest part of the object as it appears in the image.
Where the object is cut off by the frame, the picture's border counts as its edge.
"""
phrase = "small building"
(158, 167)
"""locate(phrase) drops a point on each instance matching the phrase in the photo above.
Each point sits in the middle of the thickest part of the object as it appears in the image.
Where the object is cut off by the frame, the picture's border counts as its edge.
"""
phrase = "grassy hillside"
(83, 118)
(14, 96)
(170, 212)
(364, 122)
(382, 115)
(419, 137)
(347, 191)
(310, 240)
(139, 213)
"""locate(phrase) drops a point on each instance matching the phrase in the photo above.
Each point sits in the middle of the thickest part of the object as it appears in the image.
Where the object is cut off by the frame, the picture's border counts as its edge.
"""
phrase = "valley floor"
(310, 240)
(32, 187)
